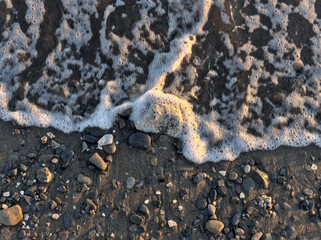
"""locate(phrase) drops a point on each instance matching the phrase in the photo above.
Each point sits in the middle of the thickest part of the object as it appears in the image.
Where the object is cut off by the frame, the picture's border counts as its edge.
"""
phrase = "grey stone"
(136, 219)
(201, 204)
(140, 140)
(248, 185)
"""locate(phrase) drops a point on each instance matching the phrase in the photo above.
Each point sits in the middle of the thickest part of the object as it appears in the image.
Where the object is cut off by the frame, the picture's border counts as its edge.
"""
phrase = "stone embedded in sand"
(140, 140)
(11, 216)
(44, 175)
(165, 118)
(84, 179)
(257, 236)
(261, 178)
(214, 226)
(110, 149)
(106, 140)
(98, 161)
(297, 65)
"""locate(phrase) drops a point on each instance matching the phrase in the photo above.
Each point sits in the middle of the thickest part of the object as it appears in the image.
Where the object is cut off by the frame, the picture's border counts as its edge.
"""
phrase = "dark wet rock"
(214, 226)
(89, 138)
(44, 175)
(201, 204)
(68, 222)
(213, 194)
(140, 140)
(98, 161)
(199, 177)
(236, 219)
(144, 209)
(67, 156)
(261, 178)
(248, 185)
(136, 219)
(22, 234)
(11, 216)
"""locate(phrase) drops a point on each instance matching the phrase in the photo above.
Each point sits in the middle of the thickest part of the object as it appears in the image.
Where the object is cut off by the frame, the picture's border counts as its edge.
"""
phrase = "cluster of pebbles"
(77, 186)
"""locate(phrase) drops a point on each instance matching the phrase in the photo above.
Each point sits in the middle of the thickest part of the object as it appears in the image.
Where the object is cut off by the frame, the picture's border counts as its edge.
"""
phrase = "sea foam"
(227, 66)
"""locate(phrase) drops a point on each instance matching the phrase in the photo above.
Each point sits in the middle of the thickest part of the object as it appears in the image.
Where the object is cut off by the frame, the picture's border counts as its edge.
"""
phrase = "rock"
(297, 65)
(89, 138)
(140, 140)
(67, 156)
(136, 219)
(84, 179)
(214, 226)
(257, 236)
(236, 219)
(68, 222)
(172, 223)
(248, 185)
(11, 216)
(44, 175)
(199, 177)
(98, 161)
(166, 118)
(201, 204)
(106, 140)
(22, 234)
(130, 183)
(212, 209)
(232, 176)
(91, 234)
(307, 192)
(261, 178)
(144, 209)
(153, 161)
(110, 149)
(247, 169)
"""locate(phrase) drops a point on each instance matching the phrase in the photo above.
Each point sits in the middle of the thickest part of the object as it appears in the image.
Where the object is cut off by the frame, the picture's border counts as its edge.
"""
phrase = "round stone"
(130, 183)
(214, 226)
(232, 176)
(248, 185)
(140, 140)
(247, 169)
(136, 219)
(211, 208)
(153, 161)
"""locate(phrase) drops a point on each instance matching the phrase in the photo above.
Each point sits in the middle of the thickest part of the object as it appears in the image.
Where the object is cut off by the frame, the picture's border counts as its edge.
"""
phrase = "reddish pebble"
(54, 160)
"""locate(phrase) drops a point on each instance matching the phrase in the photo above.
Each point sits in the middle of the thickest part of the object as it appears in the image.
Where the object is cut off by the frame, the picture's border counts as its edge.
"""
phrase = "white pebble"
(174, 201)
(158, 193)
(223, 173)
(6, 194)
(242, 195)
(55, 216)
(180, 208)
(106, 140)
(146, 201)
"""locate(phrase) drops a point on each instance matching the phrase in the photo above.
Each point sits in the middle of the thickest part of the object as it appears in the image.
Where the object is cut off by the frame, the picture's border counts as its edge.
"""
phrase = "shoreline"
(171, 197)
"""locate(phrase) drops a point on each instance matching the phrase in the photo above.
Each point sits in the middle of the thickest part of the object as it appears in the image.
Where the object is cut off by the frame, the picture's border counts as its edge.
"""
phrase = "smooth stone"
(44, 175)
(247, 169)
(68, 222)
(172, 223)
(110, 149)
(297, 65)
(11, 216)
(232, 176)
(106, 140)
(307, 192)
(201, 204)
(261, 178)
(22, 234)
(130, 183)
(236, 219)
(257, 236)
(140, 140)
(239, 232)
(199, 177)
(84, 179)
(89, 138)
(212, 209)
(136, 219)
(98, 161)
(153, 161)
(214, 226)
(248, 185)
(144, 209)
(67, 156)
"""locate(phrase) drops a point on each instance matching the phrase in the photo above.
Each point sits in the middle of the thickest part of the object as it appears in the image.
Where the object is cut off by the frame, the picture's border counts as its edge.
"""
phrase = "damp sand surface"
(171, 188)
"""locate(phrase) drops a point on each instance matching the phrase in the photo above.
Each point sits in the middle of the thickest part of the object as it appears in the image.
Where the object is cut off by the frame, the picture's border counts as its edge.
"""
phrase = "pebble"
(248, 185)
(110, 149)
(6, 194)
(140, 140)
(172, 223)
(11, 216)
(199, 177)
(239, 232)
(247, 169)
(106, 140)
(311, 167)
(23, 168)
(68, 222)
(214, 226)
(297, 65)
(201, 204)
(55, 216)
(261, 178)
(257, 236)
(144, 209)
(153, 161)
(232, 176)
(236, 219)
(307, 192)
(91, 234)
(67, 156)
(223, 173)
(84, 179)
(22, 234)
(136, 219)
(44, 175)
(242, 195)
(212, 209)
(130, 183)
(98, 161)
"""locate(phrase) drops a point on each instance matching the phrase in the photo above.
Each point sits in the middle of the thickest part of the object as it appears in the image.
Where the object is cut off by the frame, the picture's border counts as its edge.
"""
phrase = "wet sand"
(174, 191)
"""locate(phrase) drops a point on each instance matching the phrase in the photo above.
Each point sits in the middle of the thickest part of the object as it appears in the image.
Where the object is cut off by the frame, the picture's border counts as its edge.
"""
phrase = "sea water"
(245, 74)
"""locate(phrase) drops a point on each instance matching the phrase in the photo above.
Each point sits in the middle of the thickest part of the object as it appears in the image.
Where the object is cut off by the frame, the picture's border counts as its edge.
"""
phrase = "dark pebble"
(68, 222)
(236, 219)
(202, 204)
(89, 138)
(144, 209)
(67, 156)
(136, 219)
(283, 172)
(199, 177)
(22, 234)
(248, 185)
(213, 194)
(140, 140)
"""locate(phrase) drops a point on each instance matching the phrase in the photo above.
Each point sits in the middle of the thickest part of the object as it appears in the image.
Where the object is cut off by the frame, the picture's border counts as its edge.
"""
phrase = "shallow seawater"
(243, 75)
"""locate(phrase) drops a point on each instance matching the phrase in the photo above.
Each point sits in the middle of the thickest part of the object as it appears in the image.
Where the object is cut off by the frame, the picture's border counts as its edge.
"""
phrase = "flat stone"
(11, 216)
(236, 219)
(140, 140)
(214, 226)
(201, 204)
(44, 175)
(130, 183)
(84, 179)
(257, 236)
(247, 169)
(248, 185)
(106, 140)
(261, 178)
(136, 219)
(144, 209)
(98, 161)
(68, 222)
